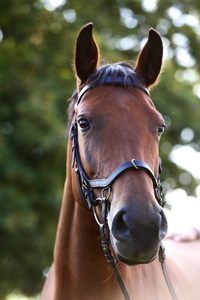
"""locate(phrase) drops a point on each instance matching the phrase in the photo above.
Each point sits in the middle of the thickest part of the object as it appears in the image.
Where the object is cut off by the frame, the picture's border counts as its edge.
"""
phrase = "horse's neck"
(81, 270)
(80, 265)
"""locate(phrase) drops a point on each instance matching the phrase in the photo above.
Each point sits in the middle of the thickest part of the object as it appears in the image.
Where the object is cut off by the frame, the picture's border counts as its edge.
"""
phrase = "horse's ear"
(150, 59)
(86, 53)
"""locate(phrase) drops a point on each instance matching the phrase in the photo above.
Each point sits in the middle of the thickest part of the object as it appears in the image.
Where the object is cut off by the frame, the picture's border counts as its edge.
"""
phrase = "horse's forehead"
(116, 99)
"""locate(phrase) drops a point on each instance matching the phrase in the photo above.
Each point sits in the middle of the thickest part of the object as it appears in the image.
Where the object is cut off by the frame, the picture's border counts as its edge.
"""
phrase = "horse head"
(116, 123)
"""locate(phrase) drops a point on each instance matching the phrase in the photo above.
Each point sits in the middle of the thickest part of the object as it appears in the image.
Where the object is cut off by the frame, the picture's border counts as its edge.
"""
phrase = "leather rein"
(85, 186)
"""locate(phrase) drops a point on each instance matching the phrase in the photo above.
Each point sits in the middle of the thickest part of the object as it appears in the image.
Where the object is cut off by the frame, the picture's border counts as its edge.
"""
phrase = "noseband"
(85, 186)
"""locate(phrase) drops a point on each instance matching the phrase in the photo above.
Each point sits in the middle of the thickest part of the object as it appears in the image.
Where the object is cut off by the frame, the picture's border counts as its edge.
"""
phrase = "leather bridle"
(86, 185)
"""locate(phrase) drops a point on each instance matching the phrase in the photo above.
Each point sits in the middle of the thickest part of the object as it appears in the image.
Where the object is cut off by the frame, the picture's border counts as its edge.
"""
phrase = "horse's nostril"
(126, 226)
(119, 227)
(163, 226)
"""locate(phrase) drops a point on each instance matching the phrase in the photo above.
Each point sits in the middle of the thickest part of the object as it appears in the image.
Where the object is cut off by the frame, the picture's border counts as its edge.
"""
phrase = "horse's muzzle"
(136, 237)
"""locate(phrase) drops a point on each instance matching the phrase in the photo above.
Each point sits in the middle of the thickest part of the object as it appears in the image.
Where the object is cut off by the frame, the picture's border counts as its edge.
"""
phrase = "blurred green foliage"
(36, 78)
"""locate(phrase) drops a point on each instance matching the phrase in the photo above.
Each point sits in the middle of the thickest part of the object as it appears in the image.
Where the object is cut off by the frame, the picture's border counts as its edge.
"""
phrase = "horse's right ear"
(150, 59)
(86, 53)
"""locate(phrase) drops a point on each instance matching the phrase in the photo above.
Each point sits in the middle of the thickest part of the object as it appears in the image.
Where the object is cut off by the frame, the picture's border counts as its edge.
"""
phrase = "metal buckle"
(103, 198)
(108, 192)
(133, 163)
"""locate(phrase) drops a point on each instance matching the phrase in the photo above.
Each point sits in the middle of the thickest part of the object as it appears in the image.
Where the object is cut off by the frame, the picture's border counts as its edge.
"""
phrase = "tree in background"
(36, 77)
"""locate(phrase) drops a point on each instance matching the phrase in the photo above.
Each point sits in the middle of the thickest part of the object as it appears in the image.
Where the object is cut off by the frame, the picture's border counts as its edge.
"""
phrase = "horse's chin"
(132, 255)
(133, 262)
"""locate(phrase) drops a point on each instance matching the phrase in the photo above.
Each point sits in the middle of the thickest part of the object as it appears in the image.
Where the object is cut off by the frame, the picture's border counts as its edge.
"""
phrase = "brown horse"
(116, 122)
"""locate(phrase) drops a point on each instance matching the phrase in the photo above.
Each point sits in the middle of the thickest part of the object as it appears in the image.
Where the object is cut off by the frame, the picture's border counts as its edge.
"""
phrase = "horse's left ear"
(150, 58)
(86, 53)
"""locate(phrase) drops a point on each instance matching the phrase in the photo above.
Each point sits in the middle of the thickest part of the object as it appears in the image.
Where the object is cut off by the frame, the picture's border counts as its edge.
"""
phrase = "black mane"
(123, 70)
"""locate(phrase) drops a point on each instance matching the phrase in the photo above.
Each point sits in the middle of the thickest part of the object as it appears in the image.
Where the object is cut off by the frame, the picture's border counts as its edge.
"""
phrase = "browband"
(109, 81)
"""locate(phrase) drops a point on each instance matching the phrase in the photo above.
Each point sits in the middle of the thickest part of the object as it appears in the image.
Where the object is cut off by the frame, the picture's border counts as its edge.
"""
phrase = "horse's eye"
(161, 129)
(84, 124)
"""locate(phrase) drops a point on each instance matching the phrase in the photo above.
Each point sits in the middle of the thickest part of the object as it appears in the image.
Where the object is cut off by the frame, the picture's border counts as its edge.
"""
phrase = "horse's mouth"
(133, 262)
